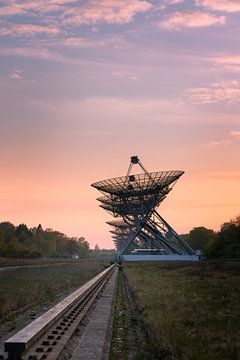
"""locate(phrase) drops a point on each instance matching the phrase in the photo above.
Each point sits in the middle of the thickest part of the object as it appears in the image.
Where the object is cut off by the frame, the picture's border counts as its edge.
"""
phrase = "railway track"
(46, 337)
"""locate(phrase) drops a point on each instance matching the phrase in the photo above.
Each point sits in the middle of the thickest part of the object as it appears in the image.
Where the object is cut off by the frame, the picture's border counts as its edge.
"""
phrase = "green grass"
(29, 288)
(191, 310)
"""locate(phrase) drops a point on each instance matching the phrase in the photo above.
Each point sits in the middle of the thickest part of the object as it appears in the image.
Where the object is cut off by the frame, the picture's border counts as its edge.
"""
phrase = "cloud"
(214, 143)
(130, 110)
(221, 175)
(125, 75)
(77, 42)
(226, 92)
(13, 10)
(35, 53)
(115, 42)
(63, 2)
(105, 11)
(28, 30)
(220, 5)
(16, 75)
(174, 2)
(179, 20)
(29, 8)
(235, 134)
(230, 63)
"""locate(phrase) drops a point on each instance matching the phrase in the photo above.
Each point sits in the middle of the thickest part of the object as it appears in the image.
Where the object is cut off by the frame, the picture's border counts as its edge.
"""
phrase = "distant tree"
(39, 228)
(45, 245)
(23, 234)
(61, 243)
(36, 242)
(83, 250)
(50, 238)
(2, 244)
(199, 237)
(14, 248)
(96, 248)
(227, 244)
(8, 230)
(72, 247)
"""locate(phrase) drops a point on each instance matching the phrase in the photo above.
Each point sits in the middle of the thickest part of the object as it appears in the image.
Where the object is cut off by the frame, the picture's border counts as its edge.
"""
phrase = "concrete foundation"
(173, 257)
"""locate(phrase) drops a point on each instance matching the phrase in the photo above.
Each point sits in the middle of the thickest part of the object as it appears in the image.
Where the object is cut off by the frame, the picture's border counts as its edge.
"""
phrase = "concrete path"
(95, 341)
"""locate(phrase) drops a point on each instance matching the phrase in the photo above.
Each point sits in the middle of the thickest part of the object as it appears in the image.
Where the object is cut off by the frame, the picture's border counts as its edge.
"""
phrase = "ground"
(191, 311)
(129, 338)
(26, 292)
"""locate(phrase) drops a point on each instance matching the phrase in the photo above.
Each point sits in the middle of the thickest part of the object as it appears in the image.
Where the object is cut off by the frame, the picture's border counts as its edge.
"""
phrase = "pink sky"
(84, 85)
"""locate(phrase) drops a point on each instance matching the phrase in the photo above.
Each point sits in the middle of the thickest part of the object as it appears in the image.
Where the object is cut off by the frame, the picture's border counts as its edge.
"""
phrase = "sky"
(85, 84)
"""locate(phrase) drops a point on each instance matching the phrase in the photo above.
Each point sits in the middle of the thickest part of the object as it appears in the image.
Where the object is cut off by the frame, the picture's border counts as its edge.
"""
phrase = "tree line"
(224, 243)
(20, 241)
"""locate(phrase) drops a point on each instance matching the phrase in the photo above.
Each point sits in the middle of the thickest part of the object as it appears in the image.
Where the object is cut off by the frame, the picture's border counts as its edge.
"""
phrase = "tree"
(96, 248)
(23, 234)
(8, 230)
(72, 247)
(83, 248)
(227, 242)
(23, 242)
(199, 237)
(2, 244)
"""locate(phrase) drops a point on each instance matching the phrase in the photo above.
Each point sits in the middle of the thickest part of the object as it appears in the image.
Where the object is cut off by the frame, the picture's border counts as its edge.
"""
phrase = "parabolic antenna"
(138, 227)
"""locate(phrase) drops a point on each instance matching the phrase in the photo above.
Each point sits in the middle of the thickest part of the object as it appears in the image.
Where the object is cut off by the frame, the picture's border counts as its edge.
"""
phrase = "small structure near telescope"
(139, 232)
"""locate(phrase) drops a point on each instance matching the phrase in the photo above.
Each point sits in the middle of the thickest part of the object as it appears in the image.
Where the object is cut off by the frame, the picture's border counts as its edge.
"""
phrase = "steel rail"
(46, 336)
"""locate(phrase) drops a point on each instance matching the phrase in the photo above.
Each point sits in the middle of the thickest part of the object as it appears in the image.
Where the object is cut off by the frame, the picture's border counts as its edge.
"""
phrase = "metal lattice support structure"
(138, 228)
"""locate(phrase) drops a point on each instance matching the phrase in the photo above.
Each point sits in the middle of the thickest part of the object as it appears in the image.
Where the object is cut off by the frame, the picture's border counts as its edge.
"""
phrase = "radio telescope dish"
(133, 200)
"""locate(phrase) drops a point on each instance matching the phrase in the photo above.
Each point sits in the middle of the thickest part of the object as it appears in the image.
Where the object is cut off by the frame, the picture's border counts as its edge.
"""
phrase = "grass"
(40, 261)
(190, 310)
(29, 288)
(128, 337)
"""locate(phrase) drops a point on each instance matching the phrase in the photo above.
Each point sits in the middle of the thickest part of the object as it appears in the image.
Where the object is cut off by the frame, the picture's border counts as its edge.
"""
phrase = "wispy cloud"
(77, 42)
(114, 42)
(16, 75)
(29, 8)
(221, 175)
(105, 11)
(35, 53)
(12, 10)
(130, 110)
(214, 143)
(28, 30)
(235, 134)
(220, 5)
(230, 63)
(225, 91)
(174, 2)
(125, 75)
(179, 20)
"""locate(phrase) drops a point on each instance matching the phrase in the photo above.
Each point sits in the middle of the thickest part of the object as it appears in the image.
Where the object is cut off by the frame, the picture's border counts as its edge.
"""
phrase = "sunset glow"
(85, 84)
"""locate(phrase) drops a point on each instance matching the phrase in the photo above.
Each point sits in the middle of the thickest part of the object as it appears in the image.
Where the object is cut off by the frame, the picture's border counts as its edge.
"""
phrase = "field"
(191, 311)
(40, 261)
(32, 288)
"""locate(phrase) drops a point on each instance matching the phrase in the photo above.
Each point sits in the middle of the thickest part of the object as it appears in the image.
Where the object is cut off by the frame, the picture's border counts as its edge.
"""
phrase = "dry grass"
(190, 310)
(40, 261)
(29, 288)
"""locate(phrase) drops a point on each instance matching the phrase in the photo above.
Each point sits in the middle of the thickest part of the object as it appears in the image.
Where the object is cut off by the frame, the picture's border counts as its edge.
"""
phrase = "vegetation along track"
(129, 338)
(46, 337)
(191, 310)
